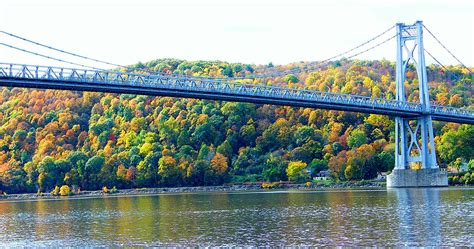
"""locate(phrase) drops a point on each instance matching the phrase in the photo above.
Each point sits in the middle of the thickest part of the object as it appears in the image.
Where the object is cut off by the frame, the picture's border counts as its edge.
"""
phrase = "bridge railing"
(439, 109)
(212, 85)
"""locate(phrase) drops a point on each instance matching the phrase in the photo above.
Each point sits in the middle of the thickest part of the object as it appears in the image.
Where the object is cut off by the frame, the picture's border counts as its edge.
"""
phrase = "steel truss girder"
(34, 76)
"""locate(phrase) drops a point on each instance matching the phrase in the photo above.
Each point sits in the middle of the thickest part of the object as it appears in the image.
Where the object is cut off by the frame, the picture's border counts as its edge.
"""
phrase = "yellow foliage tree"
(121, 171)
(296, 171)
(146, 149)
(219, 164)
(166, 165)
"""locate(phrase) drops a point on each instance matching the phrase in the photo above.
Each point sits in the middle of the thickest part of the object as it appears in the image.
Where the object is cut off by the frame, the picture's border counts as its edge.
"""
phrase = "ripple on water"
(350, 218)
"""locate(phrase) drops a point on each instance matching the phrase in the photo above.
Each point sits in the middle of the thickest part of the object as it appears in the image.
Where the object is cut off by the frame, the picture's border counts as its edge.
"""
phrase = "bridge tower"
(415, 155)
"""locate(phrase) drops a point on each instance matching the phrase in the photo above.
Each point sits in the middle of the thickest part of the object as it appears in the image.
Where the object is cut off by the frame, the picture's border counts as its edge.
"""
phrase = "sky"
(255, 32)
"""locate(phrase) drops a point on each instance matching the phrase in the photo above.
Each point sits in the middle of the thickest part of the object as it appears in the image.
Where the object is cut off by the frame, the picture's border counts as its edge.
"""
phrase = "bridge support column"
(415, 155)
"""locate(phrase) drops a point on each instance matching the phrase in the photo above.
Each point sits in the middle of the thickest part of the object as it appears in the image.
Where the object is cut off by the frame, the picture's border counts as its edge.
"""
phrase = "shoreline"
(174, 190)
(243, 188)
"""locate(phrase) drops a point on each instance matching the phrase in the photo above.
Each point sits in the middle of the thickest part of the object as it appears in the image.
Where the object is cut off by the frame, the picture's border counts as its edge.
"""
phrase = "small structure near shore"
(323, 175)
(382, 176)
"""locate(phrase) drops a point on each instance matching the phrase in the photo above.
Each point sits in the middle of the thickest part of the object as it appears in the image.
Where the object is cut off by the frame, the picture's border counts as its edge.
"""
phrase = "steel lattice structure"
(45, 77)
(414, 137)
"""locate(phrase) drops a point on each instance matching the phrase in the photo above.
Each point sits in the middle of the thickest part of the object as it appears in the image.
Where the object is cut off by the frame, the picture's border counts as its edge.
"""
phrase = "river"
(402, 217)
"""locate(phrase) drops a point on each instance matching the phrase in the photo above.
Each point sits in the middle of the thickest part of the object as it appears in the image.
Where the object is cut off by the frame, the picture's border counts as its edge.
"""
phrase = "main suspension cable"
(437, 61)
(316, 65)
(49, 57)
(439, 42)
(90, 59)
(306, 68)
(75, 55)
(373, 47)
(321, 63)
(61, 51)
(358, 46)
(444, 67)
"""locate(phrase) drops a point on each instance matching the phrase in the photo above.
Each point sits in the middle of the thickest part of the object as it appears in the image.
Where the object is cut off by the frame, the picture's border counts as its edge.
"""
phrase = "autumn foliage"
(52, 138)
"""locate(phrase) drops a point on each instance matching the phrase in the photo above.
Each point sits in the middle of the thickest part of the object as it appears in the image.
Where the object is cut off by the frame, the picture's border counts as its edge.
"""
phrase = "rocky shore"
(200, 189)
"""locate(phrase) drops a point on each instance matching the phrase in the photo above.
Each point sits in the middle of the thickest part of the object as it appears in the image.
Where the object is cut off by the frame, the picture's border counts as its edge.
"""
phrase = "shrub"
(113, 190)
(467, 178)
(64, 190)
(55, 191)
(455, 179)
(246, 178)
(270, 185)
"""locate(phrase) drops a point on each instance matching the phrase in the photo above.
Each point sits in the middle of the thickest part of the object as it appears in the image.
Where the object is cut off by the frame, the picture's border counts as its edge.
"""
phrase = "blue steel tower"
(414, 138)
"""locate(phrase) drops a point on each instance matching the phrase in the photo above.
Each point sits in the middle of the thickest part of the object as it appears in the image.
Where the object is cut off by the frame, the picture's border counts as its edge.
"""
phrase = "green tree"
(275, 170)
(317, 165)
(196, 173)
(167, 169)
(248, 133)
(238, 113)
(457, 143)
(91, 171)
(303, 134)
(225, 149)
(386, 161)
(204, 133)
(50, 174)
(356, 138)
(184, 138)
(78, 161)
(204, 153)
(291, 78)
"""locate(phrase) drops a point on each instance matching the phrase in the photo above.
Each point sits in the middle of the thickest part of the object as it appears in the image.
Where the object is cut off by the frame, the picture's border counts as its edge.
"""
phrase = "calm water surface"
(404, 217)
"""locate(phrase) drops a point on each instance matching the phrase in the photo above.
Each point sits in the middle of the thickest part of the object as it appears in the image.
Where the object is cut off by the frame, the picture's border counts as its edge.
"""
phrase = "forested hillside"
(50, 138)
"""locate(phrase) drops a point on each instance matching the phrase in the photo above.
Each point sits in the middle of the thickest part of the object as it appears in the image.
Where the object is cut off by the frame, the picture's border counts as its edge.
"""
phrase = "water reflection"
(400, 217)
(419, 216)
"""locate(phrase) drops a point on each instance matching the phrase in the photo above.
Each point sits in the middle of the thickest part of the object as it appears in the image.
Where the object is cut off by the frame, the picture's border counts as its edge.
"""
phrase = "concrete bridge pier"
(407, 178)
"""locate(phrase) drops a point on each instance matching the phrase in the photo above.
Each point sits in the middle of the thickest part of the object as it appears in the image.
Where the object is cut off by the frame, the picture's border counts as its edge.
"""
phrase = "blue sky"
(259, 31)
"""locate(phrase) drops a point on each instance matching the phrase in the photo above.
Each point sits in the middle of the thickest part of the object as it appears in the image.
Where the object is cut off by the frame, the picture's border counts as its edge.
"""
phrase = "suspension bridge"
(414, 131)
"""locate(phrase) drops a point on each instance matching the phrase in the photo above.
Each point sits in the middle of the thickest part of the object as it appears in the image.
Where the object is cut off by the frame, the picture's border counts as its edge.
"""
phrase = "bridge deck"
(31, 76)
